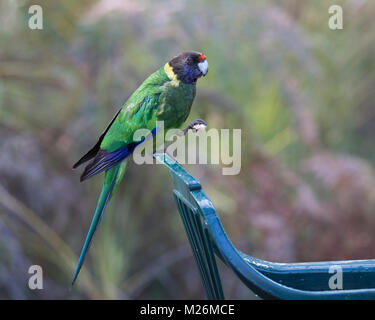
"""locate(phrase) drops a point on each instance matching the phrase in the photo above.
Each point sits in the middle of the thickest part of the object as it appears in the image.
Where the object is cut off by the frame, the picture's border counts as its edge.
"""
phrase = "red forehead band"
(201, 57)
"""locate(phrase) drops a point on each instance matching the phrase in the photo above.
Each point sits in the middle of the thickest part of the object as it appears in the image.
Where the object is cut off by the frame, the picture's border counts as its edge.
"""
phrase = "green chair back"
(266, 279)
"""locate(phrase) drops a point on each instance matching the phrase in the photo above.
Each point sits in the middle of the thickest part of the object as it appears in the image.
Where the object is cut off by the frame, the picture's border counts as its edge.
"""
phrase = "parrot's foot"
(195, 126)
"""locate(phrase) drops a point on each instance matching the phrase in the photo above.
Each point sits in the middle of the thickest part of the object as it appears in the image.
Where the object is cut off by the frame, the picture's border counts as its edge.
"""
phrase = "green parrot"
(166, 95)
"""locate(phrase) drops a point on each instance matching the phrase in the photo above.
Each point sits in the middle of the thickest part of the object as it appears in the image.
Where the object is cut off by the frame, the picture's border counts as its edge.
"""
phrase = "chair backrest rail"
(269, 280)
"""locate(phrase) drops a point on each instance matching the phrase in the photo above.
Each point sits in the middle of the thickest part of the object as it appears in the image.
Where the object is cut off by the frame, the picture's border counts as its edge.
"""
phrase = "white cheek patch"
(203, 67)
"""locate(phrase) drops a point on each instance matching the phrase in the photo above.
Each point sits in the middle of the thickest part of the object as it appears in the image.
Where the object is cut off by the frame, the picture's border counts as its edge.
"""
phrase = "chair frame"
(268, 280)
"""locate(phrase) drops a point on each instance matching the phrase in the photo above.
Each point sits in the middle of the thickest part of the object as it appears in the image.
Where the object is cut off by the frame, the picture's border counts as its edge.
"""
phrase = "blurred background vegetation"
(302, 94)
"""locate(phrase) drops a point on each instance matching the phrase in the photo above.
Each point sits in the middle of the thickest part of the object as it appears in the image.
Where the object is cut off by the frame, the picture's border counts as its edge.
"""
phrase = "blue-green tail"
(112, 178)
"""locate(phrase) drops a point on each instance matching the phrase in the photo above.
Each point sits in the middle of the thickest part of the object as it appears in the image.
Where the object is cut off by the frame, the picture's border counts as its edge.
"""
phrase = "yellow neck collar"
(171, 75)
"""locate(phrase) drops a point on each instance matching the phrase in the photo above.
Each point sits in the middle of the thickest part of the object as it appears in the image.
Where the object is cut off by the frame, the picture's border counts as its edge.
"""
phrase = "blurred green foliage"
(302, 94)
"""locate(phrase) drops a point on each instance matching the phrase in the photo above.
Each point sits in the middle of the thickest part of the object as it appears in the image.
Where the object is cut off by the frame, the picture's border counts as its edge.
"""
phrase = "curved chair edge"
(254, 279)
(252, 271)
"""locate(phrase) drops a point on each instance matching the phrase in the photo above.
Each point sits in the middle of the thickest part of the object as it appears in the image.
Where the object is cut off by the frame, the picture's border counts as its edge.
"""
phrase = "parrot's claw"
(195, 126)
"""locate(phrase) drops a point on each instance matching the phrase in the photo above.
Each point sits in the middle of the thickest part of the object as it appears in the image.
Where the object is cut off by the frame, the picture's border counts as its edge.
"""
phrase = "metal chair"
(268, 280)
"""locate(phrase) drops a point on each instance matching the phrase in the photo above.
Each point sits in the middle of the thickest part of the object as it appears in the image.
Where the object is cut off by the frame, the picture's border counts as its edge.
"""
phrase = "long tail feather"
(112, 177)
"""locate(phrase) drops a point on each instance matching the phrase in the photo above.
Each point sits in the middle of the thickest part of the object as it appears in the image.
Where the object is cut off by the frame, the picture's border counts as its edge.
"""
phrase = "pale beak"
(203, 67)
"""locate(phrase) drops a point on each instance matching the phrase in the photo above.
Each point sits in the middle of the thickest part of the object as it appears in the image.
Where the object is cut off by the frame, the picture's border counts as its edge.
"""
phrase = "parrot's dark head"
(187, 67)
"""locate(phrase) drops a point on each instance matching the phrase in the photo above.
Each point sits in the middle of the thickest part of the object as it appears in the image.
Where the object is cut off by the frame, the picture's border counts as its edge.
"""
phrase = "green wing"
(139, 112)
(133, 116)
